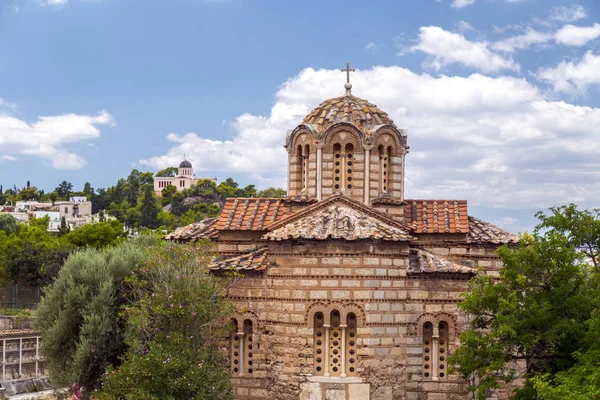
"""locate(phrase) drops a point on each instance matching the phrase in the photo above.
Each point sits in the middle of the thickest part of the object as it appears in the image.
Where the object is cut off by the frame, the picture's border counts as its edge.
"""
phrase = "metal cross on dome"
(347, 70)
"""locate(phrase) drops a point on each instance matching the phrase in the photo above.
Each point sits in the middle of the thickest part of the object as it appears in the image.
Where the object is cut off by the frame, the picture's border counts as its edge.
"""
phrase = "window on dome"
(338, 166)
(349, 161)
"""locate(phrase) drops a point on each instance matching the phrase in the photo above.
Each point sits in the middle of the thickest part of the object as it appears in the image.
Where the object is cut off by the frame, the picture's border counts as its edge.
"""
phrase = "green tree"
(167, 195)
(229, 188)
(8, 224)
(177, 315)
(78, 314)
(250, 191)
(542, 311)
(64, 189)
(98, 235)
(88, 190)
(167, 172)
(148, 208)
(272, 192)
(64, 228)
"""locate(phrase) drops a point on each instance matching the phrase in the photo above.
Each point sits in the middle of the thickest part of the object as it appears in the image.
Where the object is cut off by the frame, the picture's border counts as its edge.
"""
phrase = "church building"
(347, 289)
(184, 179)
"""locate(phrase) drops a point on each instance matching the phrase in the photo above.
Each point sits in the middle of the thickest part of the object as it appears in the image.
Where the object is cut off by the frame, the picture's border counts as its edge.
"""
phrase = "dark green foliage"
(272, 192)
(543, 311)
(32, 263)
(98, 235)
(8, 224)
(64, 189)
(178, 313)
(148, 208)
(78, 314)
(167, 172)
(64, 228)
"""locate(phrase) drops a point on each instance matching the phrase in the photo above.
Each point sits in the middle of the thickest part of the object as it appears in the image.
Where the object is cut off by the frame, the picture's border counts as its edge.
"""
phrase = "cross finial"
(347, 70)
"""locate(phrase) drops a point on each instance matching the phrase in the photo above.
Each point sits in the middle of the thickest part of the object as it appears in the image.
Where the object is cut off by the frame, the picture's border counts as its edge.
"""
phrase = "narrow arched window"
(350, 345)
(383, 169)
(247, 348)
(338, 167)
(349, 160)
(236, 350)
(300, 164)
(335, 345)
(443, 350)
(427, 349)
(305, 160)
(319, 344)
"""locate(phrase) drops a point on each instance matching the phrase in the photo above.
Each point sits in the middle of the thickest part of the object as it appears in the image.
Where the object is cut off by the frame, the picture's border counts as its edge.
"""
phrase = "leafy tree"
(101, 216)
(229, 188)
(33, 263)
(167, 195)
(98, 235)
(250, 191)
(88, 190)
(64, 189)
(178, 313)
(78, 314)
(8, 224)
(272, 192)
(543, 312)
(167, 172)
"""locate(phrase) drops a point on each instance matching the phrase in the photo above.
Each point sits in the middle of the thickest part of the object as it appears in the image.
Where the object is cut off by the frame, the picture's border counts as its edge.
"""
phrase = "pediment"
(338, 218)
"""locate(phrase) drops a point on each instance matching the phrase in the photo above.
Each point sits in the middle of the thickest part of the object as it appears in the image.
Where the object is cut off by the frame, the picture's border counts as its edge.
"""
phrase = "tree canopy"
(540, 319)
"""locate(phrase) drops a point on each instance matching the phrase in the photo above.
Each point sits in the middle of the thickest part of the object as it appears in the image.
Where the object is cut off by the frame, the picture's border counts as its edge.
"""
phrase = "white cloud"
(523, 41)
(567, 14)
(571, 35)
(462, 3)
(53, 2)
(496, 141)
(448, 47)
(7, 158)
(372, 46)
(570, 76)
(48, 137)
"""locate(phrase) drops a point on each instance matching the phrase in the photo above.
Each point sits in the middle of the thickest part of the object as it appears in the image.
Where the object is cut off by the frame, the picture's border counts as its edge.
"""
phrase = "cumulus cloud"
(497, 141)
(53, 2)
(462, 3)
(453, 48)
(523, 41)
(48, 137)
(569, 76)
(571, 35)
(567, 14)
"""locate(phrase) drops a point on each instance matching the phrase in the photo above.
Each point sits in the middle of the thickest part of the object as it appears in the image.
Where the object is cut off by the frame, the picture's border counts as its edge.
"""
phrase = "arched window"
(349, 160)
(385, 167)
(338, 166)
(300, 166)
(335, 345)
(241, 348)
(306, 156)
(236, 351)
(248, 347)
(435, 351)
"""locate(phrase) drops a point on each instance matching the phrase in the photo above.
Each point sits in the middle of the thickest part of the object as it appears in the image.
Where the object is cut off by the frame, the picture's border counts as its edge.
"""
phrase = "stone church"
(347, 290)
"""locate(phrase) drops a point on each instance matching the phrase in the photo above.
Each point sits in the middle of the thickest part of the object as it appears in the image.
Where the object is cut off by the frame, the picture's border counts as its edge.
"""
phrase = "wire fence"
(17, 296)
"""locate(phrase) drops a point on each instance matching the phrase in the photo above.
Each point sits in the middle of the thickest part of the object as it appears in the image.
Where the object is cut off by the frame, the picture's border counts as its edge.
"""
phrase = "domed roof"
(347, 108)
(185, 164)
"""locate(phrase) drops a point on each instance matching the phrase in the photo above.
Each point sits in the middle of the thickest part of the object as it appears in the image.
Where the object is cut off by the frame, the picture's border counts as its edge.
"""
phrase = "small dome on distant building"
(185, 164)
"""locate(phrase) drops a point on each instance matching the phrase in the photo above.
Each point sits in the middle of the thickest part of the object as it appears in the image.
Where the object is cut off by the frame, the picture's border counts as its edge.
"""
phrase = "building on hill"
(184, 179)
(348, 290)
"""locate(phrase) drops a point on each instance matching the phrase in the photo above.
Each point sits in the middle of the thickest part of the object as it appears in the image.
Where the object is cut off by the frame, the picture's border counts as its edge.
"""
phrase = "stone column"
(343, 355)
(367, 176)
(435, 349)
(319, 171)
(326, 356)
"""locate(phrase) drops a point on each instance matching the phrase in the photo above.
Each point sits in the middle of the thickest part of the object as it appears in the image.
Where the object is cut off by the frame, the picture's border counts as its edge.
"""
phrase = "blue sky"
(499, 98)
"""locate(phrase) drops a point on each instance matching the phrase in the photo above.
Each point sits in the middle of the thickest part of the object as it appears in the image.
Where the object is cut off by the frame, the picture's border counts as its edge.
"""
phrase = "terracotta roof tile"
(251, 214)
(422, 262)
(437, 216)
(205, 229)
(16, 333)
(347, 108)
(253, 261)
(484, 232)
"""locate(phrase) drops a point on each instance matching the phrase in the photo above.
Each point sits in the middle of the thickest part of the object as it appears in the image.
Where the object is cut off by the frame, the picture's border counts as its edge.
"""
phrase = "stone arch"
(343, 134)
(356, 309)
(427, 317)
(453, 330)
(312, 310)
(388, 139)
(292, 136)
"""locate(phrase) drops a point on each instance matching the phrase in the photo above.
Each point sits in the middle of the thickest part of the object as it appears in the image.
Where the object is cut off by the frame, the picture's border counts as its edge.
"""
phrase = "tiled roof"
(254, 214)
(339, 217)
(422, 261)
(484, 232)
(301, 197)
(388, 200)
(437, 216)
(205, 229)
(349, 109)
(17, 333)
(254, 261)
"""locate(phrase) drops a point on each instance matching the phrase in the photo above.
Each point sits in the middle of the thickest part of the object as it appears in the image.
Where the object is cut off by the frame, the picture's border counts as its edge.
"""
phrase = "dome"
(350, 109)
(185, 164)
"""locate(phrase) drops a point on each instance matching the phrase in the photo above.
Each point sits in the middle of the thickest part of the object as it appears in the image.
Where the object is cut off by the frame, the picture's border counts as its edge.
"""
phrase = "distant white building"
(185, 179)
(54, 217)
